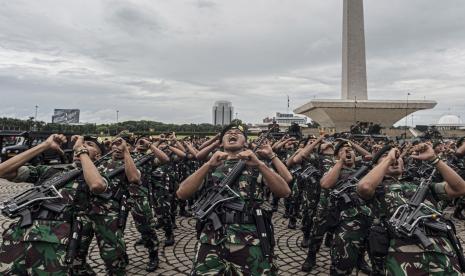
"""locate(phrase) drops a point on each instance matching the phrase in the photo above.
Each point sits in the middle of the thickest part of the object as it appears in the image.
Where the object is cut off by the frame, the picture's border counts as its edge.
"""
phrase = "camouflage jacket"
(236, 233)
(118, 185)
(326, 163)
(397, 193)
(360, 208)
(56, 228)
(141, 189)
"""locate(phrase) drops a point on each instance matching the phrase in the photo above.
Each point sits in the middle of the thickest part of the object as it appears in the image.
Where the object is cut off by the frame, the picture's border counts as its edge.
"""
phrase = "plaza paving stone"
(177, 259)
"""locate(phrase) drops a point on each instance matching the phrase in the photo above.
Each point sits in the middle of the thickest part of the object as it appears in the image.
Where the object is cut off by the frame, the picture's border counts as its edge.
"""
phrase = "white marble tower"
(354, 73)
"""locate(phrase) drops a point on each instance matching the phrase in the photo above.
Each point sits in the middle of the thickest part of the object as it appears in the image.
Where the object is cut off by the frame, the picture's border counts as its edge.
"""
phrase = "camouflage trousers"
(163, 214)
(349, 242)
(29, 254)
(420, 263)
(320, 224)
(231, 259)
(110, 242)
(145, 222)
(310, 199)
(294, 201)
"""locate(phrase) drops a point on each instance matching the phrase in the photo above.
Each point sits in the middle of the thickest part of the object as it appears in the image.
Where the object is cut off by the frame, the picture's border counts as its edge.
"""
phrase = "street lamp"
(35, 117)
(117, 115)
(406, 116)
(355, 110)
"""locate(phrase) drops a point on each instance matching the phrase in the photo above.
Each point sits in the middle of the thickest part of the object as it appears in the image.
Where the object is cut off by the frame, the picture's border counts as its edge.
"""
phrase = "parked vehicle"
(13, 143)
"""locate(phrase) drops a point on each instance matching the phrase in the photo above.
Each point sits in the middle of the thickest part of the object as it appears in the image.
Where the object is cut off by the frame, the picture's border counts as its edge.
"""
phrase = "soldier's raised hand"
(265, 151)
(78, 141)
(217, 159)
(55, 141)
(393, 155)
(424, 151)
(250, 158)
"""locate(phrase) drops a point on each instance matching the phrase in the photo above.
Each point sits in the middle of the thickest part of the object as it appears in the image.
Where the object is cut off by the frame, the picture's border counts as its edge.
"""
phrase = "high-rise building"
(222, 113)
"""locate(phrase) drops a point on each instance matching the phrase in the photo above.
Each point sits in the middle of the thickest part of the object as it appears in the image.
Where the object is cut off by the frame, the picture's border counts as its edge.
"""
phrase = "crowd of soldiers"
(378, 205)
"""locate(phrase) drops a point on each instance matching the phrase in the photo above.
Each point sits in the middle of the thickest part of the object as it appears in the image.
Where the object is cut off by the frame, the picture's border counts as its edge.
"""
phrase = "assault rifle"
(345, 185)
(411, 220)
(348, 184)
(407, 218)
(42, 196)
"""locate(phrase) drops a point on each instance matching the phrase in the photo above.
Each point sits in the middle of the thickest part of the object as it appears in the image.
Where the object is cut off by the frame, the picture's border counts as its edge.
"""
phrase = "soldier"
(106, 216)
(350, 221)
(306, 193)
(407, 255)
(236, 247)
(306, 158)
(40, 248)
(139, 200)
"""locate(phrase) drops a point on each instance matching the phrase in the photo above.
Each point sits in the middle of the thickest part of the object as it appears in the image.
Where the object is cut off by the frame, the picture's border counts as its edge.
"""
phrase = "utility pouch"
(378, 240)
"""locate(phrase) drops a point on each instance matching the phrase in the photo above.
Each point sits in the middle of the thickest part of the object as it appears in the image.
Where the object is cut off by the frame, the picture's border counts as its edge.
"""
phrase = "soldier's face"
(350, 154)
(117, 148)
(233, 139)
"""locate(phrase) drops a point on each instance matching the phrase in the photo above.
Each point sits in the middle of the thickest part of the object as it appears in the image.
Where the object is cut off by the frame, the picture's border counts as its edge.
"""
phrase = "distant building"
(286, 118)
(222, 113)
(66, 116)
(449, 122)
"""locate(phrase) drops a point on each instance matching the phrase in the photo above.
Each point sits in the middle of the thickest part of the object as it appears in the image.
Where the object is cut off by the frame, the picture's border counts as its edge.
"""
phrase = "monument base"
(341, 114)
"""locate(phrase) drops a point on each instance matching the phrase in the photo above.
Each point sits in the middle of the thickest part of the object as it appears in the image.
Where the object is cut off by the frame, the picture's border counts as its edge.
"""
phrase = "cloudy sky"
(170, 60)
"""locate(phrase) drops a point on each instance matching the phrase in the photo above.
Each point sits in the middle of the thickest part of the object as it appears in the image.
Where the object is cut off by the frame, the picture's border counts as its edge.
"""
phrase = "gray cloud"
(170, 60)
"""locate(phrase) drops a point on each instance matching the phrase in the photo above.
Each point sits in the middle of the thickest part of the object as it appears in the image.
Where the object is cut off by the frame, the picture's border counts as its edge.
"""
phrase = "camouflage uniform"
(284, 155)
(235, 248)
(408, 256)
(351, 230)
(102, 220)
(163, 187)
(305, 196)
(40, 248)
(320, 224)
(141, 210)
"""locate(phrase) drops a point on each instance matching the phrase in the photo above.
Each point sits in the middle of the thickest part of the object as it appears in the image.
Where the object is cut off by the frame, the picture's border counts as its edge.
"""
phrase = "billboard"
(66, 116)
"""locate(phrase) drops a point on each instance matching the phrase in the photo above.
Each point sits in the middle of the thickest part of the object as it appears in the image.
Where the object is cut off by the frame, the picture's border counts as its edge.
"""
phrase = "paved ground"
(177, 259)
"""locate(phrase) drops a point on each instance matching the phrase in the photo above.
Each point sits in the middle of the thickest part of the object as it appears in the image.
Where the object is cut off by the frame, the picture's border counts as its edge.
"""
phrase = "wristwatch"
(80, 151)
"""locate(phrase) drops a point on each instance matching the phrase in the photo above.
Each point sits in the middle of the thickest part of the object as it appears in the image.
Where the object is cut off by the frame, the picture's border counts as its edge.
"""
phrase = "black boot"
(169, 238)
(292, 223)
(305, 240)
(184, 213)
(363, 266)
(328, 239)
(153, 261)
(310, 262)
(274, 204)
(459, 211)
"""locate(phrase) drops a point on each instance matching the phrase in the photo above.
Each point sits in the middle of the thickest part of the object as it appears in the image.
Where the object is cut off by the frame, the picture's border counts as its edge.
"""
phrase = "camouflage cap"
(126, 136)
(342, 143)
(96, 140)
(233, 126)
